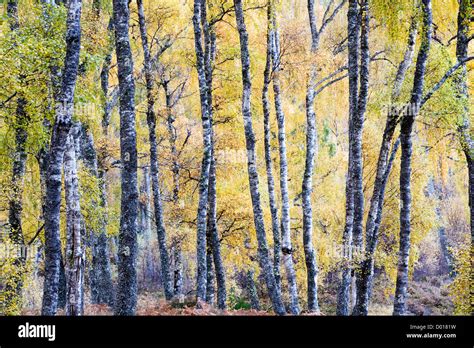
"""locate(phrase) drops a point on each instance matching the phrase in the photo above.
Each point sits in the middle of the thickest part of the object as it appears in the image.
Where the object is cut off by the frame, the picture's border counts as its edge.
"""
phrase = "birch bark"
(406, 130)
(264, 260)
(63, 123)
(154, 166)
(126, 298)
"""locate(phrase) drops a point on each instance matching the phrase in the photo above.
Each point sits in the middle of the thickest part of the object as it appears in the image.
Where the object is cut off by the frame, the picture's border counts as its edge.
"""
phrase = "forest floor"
(150, 305)
(426, 297)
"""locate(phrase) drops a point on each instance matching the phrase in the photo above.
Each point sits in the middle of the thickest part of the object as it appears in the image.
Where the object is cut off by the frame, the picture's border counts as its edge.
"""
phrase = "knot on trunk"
(286, 250)
(126, 251)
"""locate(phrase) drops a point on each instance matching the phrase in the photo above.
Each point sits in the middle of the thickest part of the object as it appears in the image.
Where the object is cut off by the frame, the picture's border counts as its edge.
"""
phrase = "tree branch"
(446, 76)
(327, 20)
(36, 235)
(2, 104)
(319, 90)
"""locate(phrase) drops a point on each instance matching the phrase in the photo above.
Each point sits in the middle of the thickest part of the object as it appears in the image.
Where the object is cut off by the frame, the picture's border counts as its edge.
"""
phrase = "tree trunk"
(263, 257)
(207, 153)
(100, 274)
(307, 184)
(172, 139)
(268, 153)
(102, 291)
(470, 167)
(19, 155)
(126, 300)
(96, 6)
(357, 158)
(62, 291)
(210, 286)
(12, 14)
(252, 290)
(177, 269)
(214, 242)
(358, 126)
(15, 204)
(104, 77)
(75, 256)
(353, 29)
(364, 284)
(42, 158)
(55, 159)
(465, 131)
(445, 264)
(286, 247)
(145, 204)
(405, 163)
(384, 165)
(151, 120)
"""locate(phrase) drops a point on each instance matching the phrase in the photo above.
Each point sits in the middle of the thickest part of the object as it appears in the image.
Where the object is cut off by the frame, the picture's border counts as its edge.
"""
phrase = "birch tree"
(126, 299)
(172, 97)
(207, 153)
(21, 135)
(154, 166)
(99, 273)
(101, 278)
(286, 247)
(15, 204)
(465, 126)
(263, 256)
(210, 51)
(75, 255)
(355, 131)
(267, 146)
(384, 166)
(62, 125)
(406, 129)
(312, 150)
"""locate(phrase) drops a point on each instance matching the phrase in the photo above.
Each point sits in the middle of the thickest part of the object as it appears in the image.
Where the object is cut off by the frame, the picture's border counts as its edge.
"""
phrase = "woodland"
(236, 157)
